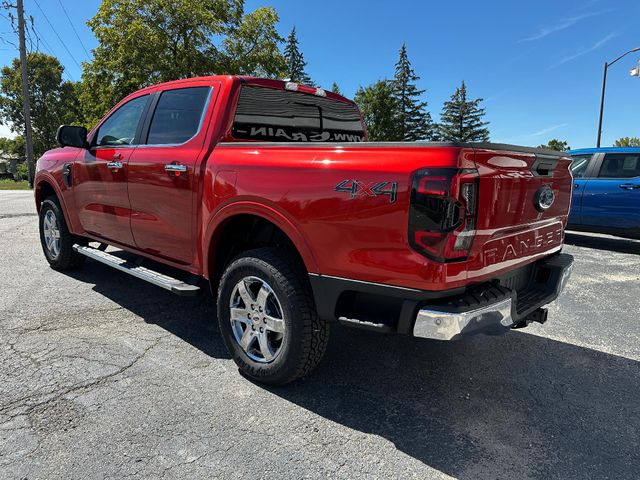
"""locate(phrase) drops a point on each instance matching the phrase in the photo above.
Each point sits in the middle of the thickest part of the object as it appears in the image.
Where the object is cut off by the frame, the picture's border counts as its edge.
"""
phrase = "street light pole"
(604, 86)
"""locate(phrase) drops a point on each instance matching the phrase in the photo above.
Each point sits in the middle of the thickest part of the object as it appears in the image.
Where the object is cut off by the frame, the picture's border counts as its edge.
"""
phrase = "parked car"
(606, 193)
(268, 190)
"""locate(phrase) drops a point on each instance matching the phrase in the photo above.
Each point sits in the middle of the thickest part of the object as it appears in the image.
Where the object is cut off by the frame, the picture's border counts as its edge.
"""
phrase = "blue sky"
(538, 65)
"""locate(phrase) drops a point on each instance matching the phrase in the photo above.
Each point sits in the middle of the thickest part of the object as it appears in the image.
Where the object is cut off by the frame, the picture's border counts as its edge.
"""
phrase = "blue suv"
(606, 193)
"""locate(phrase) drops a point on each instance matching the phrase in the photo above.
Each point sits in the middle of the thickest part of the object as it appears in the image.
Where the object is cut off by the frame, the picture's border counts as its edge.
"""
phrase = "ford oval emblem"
(544, 198)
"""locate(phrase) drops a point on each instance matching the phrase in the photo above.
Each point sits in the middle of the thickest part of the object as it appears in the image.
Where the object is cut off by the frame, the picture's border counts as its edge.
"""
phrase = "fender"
(268, 213)
(41, 177)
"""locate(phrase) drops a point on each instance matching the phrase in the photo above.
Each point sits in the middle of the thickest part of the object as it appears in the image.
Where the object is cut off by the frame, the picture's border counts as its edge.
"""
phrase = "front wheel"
(268, 319)
(57, 242)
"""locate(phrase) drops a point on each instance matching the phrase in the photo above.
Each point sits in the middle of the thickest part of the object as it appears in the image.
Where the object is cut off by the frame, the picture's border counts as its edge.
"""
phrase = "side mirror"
(72, 136)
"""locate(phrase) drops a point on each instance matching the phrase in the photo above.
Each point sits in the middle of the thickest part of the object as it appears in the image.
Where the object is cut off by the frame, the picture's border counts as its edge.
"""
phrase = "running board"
(164, 281)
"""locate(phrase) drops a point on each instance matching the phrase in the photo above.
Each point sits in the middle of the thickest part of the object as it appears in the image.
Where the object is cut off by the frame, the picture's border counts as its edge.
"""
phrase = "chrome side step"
(164, 281)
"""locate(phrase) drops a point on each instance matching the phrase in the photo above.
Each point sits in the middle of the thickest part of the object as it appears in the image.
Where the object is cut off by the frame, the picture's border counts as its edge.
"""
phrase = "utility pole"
(26, 107)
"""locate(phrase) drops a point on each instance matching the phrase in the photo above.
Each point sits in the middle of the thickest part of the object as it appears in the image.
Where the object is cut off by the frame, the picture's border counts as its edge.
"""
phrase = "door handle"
(117, 156)
(114, 165)
(630, 186)
(175, 168)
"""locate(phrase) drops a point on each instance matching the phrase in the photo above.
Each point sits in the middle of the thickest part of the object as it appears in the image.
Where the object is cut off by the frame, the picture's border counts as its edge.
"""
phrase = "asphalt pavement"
(106, 377)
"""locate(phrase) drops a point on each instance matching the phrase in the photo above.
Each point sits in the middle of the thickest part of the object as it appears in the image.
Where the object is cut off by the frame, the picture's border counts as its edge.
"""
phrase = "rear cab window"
(266, 114)
(178, 115)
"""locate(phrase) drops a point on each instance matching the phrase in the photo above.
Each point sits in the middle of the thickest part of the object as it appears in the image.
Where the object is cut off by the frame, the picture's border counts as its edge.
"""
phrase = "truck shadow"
(515, 406)
(603, 242)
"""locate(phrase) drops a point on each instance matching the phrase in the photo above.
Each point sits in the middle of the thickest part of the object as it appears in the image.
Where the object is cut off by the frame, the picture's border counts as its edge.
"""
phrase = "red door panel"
(162, 201)
(163, 176)
(100, 192)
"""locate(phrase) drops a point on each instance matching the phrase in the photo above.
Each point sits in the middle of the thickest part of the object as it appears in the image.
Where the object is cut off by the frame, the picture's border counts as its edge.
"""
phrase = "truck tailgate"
(524, 199)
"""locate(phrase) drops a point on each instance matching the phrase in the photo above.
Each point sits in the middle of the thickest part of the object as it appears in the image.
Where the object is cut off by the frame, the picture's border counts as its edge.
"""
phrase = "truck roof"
(585, 151)
(247, 80)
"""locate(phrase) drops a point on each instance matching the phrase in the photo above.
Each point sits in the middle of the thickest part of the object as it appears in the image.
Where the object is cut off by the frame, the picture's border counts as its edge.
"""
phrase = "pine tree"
(414, 121)
(295, 60)
(335, 88)
(462, 120)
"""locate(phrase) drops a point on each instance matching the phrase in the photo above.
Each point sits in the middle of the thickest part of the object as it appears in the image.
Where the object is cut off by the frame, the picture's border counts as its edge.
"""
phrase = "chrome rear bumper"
(448, 323)
(440, 325)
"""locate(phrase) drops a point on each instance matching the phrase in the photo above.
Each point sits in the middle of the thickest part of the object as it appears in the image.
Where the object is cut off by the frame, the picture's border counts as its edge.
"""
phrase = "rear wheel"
(268, 319)
(57, 242)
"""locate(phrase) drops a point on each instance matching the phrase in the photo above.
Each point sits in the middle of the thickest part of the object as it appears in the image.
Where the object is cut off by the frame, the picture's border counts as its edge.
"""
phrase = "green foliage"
(379, 106)
(143, 42)
(627, 142)
(12, 147)
(295, 60)
(53, 101)
(557, 145)
(22, 171)
(414, 121)
(462, 119)
(253, 47)
(335, 88)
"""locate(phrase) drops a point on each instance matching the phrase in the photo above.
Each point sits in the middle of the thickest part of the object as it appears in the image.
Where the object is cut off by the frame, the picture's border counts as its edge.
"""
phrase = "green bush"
(22, 172)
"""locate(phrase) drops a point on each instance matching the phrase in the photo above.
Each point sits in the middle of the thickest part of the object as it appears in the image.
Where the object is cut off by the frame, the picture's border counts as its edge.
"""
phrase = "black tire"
(305, 339)
(66, 258)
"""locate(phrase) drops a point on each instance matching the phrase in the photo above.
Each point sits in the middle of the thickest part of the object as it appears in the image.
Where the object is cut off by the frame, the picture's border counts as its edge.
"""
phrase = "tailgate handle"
(544, 166)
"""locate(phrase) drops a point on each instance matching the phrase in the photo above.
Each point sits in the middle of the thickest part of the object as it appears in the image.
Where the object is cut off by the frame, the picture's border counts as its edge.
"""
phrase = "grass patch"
(8, 184)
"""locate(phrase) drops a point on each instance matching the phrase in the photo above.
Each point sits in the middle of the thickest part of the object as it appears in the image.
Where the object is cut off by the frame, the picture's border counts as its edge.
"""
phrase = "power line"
(74, 29)
(49, 50)
(59, 38)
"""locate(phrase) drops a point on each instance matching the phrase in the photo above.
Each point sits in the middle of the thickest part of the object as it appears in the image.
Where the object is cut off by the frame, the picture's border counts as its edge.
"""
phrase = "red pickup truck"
(270, 191)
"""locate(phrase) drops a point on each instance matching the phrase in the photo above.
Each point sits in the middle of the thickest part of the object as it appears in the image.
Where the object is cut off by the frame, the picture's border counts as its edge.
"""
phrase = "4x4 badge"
(368, 189)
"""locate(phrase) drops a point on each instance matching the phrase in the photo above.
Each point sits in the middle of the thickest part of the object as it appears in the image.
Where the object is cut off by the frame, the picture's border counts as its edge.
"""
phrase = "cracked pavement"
(106, 377)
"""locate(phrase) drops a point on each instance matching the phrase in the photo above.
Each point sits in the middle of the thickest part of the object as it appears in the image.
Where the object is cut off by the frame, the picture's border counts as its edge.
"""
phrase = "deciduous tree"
(142, 42)
(627, 142)
(557, 145)
(379, 106)
(53, 100)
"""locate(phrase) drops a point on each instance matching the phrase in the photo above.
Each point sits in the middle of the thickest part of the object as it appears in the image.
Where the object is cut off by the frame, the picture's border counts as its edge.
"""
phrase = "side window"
(620, 165)
(120, 128)
(580, 164)
(177, 115)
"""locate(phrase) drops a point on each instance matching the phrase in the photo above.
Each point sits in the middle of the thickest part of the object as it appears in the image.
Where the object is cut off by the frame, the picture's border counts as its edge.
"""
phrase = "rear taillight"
(443, 213)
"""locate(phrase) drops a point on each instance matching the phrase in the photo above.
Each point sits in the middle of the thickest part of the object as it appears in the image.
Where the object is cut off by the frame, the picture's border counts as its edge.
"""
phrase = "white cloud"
(563, 25)
(580, 53)
(544, 131)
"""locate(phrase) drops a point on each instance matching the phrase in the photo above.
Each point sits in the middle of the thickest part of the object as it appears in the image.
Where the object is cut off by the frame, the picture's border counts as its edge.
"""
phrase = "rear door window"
(620, 165)
(266, 114)
(178, 115)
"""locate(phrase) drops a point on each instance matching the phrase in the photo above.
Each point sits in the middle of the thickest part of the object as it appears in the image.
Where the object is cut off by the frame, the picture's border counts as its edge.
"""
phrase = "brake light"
(296, 87)
(443, 213)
